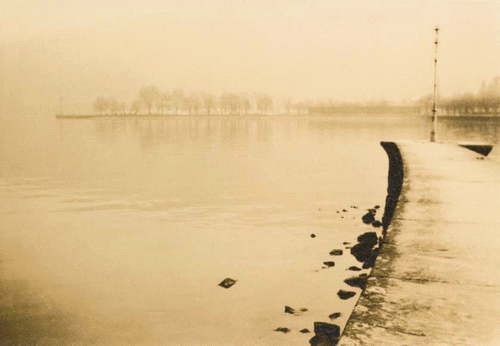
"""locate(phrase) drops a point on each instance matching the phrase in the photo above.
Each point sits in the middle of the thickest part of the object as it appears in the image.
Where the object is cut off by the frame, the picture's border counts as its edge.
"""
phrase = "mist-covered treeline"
(485, 101)
(151, 100)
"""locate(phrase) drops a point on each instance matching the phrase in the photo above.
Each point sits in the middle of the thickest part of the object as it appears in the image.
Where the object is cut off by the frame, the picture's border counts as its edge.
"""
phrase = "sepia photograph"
(249, 173)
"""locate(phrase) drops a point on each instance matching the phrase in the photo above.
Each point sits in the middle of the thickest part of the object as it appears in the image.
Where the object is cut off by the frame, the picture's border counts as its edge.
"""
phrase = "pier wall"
(436, 280)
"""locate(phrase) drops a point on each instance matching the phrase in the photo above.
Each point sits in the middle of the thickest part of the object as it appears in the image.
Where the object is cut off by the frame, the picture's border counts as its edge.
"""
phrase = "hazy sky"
(342, 50)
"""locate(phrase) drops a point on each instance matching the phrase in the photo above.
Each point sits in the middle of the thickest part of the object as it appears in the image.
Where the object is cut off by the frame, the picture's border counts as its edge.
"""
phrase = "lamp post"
(434, 110)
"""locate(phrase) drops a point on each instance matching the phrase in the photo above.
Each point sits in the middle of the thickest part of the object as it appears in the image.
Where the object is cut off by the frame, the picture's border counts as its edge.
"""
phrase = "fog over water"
(343, 51)
(117, 230)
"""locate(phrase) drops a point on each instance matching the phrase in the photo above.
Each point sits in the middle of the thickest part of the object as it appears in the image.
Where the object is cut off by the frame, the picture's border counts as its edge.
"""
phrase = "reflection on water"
(29, 319)
(117, 231)
(481, 129)
(152, 131)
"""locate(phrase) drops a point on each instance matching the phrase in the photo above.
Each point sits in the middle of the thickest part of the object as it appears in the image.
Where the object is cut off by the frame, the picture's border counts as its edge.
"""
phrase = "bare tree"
(230, 103)
(113, 105)
(234, 104)
(177, 99)
(303, 106)
(148, 96)
(163, 102)
(425, 104)
(193, 103)
(101, 104)
(224, 103)
(209, 102)
(264, 103)
(489, 96)
(135, 107)
(245, 103)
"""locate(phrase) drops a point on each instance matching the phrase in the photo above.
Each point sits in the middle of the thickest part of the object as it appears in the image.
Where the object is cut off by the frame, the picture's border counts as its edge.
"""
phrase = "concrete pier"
(437, 278)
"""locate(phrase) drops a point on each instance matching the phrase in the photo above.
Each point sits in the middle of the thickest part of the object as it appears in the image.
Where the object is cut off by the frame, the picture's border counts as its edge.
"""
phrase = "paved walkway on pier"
(437, 278)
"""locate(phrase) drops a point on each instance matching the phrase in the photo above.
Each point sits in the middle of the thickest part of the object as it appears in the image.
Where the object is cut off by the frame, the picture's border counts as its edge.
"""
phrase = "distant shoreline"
(93, 116)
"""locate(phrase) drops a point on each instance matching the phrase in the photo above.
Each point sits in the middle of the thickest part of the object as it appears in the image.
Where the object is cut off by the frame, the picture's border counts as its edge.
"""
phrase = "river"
(118, 231)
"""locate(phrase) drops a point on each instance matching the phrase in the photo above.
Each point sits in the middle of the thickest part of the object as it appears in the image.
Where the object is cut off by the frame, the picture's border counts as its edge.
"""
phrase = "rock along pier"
(436, 280)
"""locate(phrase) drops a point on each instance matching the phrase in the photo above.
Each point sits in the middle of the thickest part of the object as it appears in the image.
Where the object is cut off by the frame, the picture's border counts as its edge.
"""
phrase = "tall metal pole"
(2, 68)
(434, 110)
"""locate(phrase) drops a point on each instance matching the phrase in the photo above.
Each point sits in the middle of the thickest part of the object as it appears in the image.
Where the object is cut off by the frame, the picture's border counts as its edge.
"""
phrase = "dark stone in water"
(369, 238)
(377, 224)
(370, 261)
(368, 218)
(305, 330)
(327, 329)
(329, 263)
(363, 250)
(344, 210)
(290, 310)
(313, 235)
(377, 206)
(345, 294)
(335, 315)
(354, 268)
(326, 334)
(336, 252)
(228, 282)
(346, 243)
(361, 253)
(282, 329)
(357, 281)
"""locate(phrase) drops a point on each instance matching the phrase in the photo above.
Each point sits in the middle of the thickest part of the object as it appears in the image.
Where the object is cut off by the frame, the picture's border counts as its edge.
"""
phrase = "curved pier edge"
(436, 279)
(394, 184)
(357, 323)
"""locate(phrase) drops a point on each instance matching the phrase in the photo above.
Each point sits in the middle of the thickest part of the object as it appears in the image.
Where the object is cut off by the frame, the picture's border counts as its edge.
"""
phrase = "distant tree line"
(151, 100)
(485, 101)
(109, 105)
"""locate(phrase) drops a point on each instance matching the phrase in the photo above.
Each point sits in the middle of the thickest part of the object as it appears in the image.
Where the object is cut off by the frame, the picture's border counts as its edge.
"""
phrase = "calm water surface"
(117, 231)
